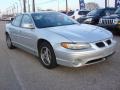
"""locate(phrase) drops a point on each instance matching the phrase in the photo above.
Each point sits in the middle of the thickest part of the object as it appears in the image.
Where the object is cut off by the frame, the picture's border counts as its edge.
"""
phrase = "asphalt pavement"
(20, 70)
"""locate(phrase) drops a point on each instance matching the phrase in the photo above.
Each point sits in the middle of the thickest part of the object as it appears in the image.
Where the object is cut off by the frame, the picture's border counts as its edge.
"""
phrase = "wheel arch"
(40, 41)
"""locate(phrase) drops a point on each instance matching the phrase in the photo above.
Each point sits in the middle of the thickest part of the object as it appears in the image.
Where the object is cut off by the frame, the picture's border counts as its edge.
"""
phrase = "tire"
(118, 32)
(9, 42)
(47, 56)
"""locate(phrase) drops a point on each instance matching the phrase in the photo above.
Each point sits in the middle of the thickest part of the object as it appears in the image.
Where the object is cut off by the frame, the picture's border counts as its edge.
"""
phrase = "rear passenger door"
(15, 29)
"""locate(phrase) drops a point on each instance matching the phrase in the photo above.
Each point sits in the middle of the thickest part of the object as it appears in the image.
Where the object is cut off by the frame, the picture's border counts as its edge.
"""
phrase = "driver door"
(27, 37)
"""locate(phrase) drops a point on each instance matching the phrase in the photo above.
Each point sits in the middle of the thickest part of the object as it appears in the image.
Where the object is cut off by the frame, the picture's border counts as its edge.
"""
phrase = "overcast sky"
(52, 4)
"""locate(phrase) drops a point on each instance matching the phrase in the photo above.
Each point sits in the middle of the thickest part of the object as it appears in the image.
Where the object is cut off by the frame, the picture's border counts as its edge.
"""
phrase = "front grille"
(107, 21)
(95, 61)
(103, 43)
(100, 44)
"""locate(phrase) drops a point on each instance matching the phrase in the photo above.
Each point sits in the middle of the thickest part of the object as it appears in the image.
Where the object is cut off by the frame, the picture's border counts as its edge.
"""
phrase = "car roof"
(38, 12)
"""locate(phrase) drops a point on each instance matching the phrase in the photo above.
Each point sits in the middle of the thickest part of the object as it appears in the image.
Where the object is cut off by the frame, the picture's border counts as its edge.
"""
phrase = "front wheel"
(47, 55)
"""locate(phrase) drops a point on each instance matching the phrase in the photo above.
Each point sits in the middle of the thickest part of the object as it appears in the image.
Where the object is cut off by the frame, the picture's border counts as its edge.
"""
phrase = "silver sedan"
(57, 39)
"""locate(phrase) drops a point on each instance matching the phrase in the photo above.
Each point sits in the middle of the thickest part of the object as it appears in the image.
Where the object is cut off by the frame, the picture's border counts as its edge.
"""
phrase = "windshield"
(51, 19)
(110, 11)
(95, 12)
(83, 12)
(117, 11)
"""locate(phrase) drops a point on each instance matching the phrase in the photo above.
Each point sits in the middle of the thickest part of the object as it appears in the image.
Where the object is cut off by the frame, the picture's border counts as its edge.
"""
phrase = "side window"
(26, 20)
(17, 21)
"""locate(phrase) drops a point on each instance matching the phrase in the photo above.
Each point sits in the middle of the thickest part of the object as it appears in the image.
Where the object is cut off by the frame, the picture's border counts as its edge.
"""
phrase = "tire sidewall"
(8, 37)
(11, 45)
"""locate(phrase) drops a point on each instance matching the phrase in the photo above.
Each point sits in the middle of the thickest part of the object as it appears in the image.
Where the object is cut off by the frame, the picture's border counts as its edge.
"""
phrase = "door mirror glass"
(28, 26)
(12, 19)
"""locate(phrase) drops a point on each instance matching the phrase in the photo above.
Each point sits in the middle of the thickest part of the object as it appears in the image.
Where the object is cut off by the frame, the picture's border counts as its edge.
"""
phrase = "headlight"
(88, 20)
(100, 21)
(75, 46)
(116, 21)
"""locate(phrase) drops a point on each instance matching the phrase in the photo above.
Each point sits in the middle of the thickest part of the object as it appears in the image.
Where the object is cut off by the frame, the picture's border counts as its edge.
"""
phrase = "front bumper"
(73, 58)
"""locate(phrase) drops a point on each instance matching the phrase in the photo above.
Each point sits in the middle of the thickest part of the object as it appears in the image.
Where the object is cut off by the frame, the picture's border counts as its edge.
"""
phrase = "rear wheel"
(9, 43)
(47, 55)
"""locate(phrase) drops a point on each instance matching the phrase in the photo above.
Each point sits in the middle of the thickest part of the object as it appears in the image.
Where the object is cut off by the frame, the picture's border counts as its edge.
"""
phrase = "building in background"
(91, 6)
(82, 4)
(117, 3)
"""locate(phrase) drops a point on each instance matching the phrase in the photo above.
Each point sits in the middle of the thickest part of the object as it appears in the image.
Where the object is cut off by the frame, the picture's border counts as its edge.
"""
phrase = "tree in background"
(91, 6)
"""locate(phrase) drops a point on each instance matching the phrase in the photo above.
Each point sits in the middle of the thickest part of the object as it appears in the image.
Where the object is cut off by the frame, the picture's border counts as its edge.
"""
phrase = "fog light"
(77, 61)
(104, 58)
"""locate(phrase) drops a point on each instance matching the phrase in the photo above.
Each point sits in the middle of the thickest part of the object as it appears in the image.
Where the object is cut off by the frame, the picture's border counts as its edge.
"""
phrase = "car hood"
(86, 17)
(82, 32)
(113, 16)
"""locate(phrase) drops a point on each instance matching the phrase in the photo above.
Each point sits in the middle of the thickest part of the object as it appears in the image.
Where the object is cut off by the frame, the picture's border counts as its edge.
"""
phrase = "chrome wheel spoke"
(46, 55)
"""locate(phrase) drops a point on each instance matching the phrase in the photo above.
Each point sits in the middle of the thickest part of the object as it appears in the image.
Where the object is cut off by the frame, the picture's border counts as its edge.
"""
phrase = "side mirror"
(12, 19)
(28, 26)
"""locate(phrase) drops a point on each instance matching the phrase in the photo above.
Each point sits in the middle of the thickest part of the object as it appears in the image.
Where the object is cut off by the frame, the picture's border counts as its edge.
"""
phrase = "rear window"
(70, 13)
